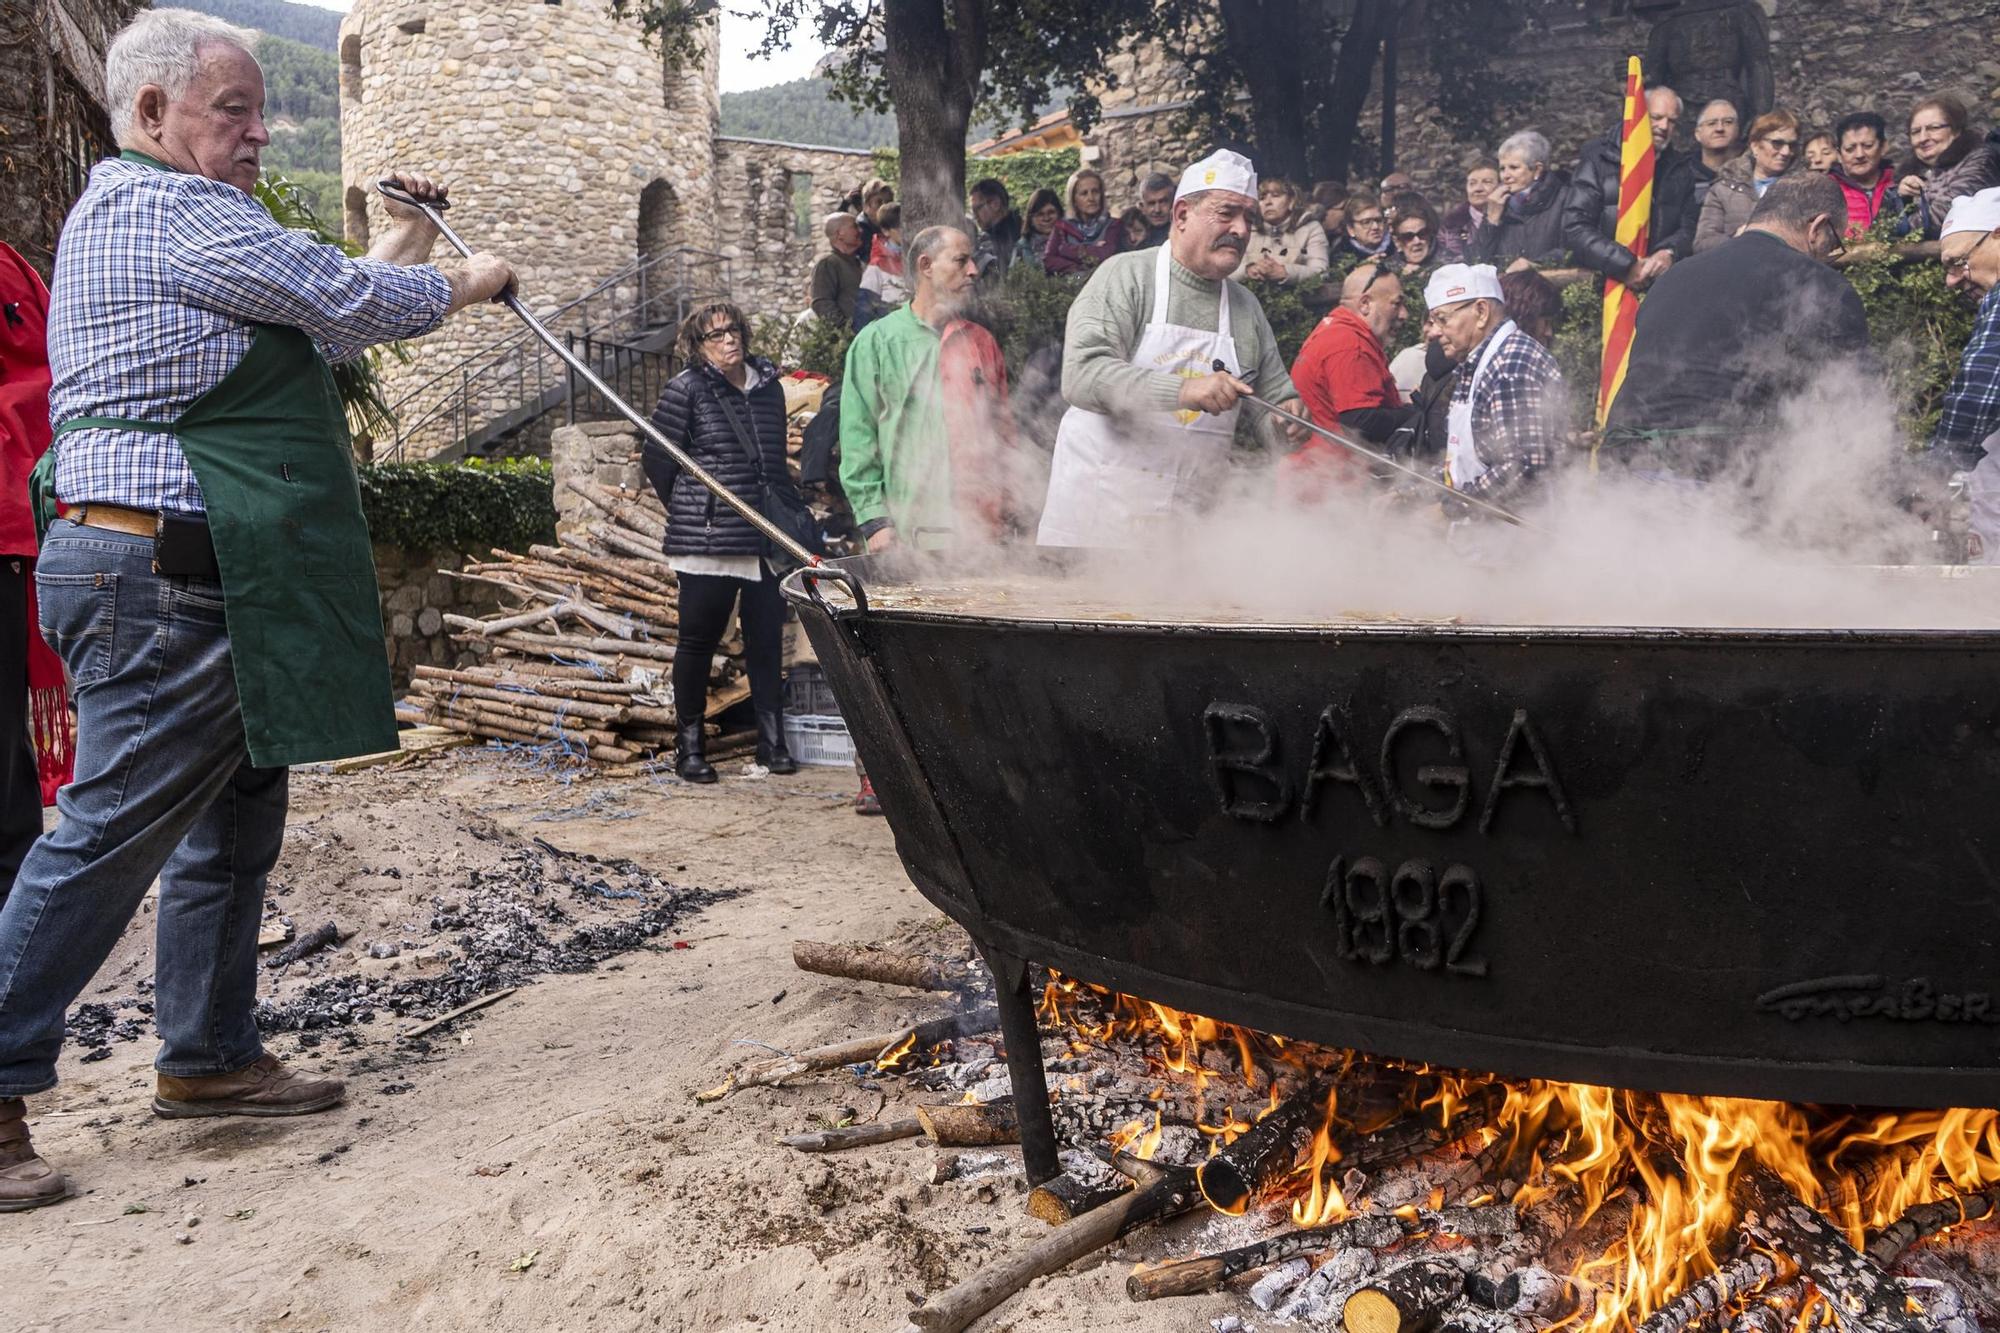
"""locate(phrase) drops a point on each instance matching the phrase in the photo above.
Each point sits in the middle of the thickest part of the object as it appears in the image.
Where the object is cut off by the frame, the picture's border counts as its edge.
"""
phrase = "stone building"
(574, 154)
(1818, 58)
(52, 121)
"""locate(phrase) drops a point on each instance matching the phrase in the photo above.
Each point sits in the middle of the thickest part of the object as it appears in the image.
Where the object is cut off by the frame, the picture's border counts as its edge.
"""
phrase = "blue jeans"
(164, 787)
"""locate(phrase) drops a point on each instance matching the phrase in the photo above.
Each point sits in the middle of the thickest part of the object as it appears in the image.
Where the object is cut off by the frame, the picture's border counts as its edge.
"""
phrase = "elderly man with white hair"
(1527, 210)
(210, 589)
(1968, 429)
(1507, 412)
(1147, 434)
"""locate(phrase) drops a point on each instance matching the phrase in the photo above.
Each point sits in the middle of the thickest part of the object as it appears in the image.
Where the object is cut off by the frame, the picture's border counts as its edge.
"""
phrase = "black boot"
(688, 760)
(771, 751)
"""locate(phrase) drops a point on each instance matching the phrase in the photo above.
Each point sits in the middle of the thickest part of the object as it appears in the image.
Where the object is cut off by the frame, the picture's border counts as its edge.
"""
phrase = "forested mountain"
(302, 23)
(300, 82)
(804, 111)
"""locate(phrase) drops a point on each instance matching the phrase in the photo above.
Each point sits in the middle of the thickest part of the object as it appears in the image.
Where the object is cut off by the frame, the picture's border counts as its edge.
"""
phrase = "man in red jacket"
(1342, 373)
(32, 707)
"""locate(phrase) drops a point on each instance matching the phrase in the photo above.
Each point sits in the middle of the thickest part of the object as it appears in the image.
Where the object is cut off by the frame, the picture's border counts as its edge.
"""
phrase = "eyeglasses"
(717, 335)
(1926, 130)
(1420, 234)
(1955, 268)
(1370, 220)
(1782, 145)
(1717, 122)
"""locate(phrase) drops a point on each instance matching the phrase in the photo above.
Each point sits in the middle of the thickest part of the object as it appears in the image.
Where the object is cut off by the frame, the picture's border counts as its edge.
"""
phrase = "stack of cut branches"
(580, 660)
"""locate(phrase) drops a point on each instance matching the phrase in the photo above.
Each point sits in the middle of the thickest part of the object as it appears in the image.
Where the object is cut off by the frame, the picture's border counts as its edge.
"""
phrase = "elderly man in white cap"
(1507, 410)
(1146, 437)
(1968, 429)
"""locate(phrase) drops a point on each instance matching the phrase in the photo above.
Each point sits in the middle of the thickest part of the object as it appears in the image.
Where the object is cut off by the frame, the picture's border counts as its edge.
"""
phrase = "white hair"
(1530, 146)
(161, 46)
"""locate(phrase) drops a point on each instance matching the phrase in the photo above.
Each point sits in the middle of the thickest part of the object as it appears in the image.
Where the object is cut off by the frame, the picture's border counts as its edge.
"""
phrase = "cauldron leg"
(1014, 996)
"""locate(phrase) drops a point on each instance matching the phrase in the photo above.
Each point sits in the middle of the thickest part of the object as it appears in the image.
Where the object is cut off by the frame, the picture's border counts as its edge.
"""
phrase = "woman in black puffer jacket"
(727, 411)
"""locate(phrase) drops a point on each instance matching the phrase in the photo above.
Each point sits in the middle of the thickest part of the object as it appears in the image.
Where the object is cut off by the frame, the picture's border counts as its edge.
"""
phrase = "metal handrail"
(530, 363)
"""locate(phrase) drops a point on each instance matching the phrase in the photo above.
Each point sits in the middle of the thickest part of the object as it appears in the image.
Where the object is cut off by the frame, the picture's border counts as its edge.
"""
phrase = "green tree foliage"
(300, 23)
(805, 111)
(312, 145)
(1022, 173)
(509, 503)
(300, 82)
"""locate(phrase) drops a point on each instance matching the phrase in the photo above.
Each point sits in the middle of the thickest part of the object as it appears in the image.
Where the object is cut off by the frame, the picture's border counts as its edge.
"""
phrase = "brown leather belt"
(136, 522)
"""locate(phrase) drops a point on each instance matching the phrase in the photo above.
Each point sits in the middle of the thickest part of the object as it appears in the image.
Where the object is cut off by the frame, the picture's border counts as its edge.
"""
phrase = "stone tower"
(568, 149)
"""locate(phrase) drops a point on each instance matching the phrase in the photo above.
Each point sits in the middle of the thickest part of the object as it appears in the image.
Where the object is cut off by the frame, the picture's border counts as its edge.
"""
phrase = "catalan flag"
(1635, 208)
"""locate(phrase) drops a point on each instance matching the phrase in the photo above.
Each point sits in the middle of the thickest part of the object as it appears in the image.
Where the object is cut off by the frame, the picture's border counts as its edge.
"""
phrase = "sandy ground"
(542, 1164)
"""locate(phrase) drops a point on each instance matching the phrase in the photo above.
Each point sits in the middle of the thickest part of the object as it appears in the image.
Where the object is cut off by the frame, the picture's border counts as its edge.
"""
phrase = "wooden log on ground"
(603, 754)
(853, 1136)
(516, 718)
(1927, 1220)
(1862, 1295)
(1158, 1192)
(558, 642)
(1069, 1196)
(769, 1073)
(1191, 1277)
(560, 705)
(970, 1124)
(871, 962)
(576, 555)
(613, 692)
(1408, 1300)
(1280, 1137)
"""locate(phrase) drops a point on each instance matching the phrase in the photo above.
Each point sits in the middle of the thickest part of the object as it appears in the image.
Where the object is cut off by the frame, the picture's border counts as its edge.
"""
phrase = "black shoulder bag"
(782, 505)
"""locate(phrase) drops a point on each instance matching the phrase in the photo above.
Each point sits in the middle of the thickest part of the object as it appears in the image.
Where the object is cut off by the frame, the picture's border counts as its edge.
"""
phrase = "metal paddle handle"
(1353, 446)
(777, 535)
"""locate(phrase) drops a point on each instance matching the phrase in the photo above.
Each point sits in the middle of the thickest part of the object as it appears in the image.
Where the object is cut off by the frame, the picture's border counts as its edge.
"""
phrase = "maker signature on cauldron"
(1870, 995)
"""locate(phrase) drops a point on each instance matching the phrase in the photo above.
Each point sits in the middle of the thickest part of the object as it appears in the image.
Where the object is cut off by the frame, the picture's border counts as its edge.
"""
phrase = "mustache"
(1229, 241)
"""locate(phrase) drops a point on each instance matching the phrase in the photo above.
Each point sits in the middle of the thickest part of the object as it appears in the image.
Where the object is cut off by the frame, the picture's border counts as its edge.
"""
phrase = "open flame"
(1682, 1156)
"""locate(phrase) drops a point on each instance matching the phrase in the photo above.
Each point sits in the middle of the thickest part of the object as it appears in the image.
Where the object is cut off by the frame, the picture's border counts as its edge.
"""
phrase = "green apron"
(269, 446)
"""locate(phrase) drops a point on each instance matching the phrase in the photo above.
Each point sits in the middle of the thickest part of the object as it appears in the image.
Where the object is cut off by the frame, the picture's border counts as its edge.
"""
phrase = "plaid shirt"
(1972, 408)
(1517, 415)
(159, 277)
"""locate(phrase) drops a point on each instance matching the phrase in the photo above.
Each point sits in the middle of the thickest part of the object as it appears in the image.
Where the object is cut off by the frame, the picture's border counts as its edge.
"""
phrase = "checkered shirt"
(1517, 415)
(159, 278)
(1972, 407)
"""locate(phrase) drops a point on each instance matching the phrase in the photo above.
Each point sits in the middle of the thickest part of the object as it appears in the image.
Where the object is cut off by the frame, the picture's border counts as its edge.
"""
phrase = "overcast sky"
(739, 72)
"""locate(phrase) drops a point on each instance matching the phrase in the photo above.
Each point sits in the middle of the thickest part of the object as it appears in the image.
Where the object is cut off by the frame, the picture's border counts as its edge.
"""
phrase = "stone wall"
(570, 152)
(415, 600)
(606, 452)
(1828, 57)
(776, 194)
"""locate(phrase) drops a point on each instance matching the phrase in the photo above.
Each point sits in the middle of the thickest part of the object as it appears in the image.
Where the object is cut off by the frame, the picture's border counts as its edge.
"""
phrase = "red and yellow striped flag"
(1635, 208)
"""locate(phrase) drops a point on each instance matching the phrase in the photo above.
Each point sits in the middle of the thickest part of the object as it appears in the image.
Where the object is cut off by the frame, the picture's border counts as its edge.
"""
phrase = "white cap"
(1974, 212)
(1462, 282)
(1220, 170)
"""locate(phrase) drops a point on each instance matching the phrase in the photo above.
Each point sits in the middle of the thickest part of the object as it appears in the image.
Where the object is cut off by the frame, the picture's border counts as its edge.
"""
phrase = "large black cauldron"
(1745, 862)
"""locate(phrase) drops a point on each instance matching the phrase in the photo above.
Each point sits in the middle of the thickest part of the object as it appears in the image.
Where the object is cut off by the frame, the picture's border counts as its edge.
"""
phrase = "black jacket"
(1590, 212)
(692, 415)
(1531, 227)
(1725, 339)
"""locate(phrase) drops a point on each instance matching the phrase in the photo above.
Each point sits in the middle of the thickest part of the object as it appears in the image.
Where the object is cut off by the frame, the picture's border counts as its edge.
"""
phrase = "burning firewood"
(1069, 1196)
(1861, 1294)
(1191, 1277)
(1704, 1299)
(871, 962)
(770, 1073)
(1928, 1219)
(1408, 1300)
(1271, 1146)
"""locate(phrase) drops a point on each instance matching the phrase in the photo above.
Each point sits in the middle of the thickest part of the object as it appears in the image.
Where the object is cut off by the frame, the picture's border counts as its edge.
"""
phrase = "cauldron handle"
(812, 574)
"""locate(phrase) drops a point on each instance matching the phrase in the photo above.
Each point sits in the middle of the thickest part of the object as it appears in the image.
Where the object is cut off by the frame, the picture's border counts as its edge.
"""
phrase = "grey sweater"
(1110, 315)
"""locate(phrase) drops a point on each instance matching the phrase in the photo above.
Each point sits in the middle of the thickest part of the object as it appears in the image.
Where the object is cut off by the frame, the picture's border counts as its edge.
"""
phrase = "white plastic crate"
(819, 741)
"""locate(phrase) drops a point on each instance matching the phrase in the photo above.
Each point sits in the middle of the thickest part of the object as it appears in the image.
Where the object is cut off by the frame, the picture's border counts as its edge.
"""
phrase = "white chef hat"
(1462, 282)
(1220, 170)
(1974, 212)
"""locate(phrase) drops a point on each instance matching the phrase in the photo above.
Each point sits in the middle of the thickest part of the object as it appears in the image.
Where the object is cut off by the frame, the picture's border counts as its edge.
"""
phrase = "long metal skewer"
(1354, 446)
(390, 190)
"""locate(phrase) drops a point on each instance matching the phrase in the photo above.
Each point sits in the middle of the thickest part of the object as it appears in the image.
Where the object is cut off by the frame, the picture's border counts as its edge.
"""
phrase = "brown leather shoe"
(26, 1181)
(264, 1088)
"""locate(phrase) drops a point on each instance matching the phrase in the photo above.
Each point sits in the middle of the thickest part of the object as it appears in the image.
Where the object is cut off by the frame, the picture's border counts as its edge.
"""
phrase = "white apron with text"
(1461, 458)
(1113, 483)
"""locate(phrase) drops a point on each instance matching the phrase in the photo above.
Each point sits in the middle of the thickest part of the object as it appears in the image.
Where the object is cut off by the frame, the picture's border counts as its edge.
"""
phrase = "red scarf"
(24, 437)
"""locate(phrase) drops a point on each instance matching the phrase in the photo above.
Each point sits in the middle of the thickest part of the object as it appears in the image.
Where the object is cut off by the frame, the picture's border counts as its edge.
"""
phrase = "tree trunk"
(1265, 36)
(934, 57)
(1353, 74)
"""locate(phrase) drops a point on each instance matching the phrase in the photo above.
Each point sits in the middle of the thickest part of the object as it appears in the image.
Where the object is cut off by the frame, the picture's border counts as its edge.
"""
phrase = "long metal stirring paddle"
(1353, 446)
(784, 540)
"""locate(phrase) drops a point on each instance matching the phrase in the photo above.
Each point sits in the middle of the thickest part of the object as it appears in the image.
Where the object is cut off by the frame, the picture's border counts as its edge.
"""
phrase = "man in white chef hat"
(1968, 429)
(1146, 437)
(1507, 409)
